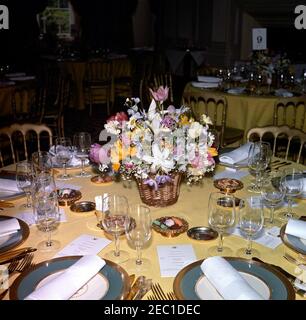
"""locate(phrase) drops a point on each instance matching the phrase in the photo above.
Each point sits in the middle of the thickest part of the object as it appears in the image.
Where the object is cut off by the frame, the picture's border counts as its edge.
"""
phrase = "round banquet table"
(191, 205)
(244, 111)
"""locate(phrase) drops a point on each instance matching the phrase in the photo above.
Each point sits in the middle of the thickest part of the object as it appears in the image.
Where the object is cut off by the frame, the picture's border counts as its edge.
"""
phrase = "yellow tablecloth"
(244, 111)
(192, 205)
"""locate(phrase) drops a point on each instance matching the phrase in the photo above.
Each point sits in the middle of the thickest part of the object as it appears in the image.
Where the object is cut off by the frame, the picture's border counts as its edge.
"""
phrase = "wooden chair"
(290, 112)
(17, 140)
(292, 136)
(123, 78)
(54, 110)
(98, 83)
(215, 106)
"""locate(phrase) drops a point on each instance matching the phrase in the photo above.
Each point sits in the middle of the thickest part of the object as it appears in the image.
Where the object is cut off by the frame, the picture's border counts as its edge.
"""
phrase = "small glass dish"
(83, 206)
(67, 196)
(228, 185)
(102, 180)
(202, 233)
(170, 226)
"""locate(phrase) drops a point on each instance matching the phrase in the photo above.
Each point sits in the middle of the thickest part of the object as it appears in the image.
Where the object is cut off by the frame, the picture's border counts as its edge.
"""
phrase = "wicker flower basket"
(166, 195)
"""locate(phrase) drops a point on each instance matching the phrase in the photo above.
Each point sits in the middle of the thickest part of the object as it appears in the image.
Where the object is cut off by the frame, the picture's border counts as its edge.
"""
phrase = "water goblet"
(259, 157)
(138, 231)
(222, 212)
(63, 154)
(114, 216)
(251, 220)
(82, 143)
(292, 185)
(24, 180)
(47, 216)
(42, 162)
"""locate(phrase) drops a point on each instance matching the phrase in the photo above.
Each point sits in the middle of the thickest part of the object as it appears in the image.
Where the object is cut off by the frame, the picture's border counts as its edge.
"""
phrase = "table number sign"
(259, 36)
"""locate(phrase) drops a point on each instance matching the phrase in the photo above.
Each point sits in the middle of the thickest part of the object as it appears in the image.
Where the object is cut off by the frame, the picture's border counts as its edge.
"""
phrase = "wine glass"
(258, 160)
(82, 143)
(138, 231)
(24, 180)
(42, 162)
(292, 184)
(63, 154)
(272, 196)
(222, 211)
(114, 218)
(46, 213)
(44, 184)
(251, 220)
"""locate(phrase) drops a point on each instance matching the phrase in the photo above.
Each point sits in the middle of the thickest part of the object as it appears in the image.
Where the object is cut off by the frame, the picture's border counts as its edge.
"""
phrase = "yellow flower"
(116, 166)
(213, 152)
(184, 120)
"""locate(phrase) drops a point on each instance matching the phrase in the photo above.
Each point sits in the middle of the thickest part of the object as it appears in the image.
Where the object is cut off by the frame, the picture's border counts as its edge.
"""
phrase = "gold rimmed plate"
(294, 243)
(228, 185)
(190, 283)
(111, 283)
(16, 239)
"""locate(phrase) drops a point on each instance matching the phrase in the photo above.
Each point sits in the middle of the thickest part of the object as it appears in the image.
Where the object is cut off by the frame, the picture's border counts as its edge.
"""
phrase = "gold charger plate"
(17, 238)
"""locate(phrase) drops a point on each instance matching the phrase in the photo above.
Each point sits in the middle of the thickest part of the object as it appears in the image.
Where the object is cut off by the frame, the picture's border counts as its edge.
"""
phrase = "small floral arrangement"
(151, 145)
(267, 65)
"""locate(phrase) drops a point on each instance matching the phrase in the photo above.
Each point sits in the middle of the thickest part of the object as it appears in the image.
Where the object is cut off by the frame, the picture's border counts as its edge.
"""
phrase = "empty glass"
(114, 216)
(292, 185)
(251, 220)
(42, 162)
(138, 231)
(221, 210)
(46, 213)
(24, 180)
(259, 158)
(82, 143)
(63, 154)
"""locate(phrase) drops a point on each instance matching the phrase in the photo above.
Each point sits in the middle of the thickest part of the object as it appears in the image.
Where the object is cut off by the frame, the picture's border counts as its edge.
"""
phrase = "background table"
(244, 111)
(192, 205)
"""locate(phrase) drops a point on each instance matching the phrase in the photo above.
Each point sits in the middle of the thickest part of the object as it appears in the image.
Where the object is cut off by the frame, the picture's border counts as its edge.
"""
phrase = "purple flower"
(168, 122)
(151, 183)
(94, 153)
(163, 179)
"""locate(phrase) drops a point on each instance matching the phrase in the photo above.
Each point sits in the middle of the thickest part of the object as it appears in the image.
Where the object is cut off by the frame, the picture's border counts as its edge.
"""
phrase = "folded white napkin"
(70, 281)
(227, 280)
(237, 155)
(9, 226)
(296, 228)
(74, 162)
(8, 185)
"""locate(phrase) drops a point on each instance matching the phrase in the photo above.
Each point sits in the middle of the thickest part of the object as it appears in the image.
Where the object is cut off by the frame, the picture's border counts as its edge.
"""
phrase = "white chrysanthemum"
(195, 130)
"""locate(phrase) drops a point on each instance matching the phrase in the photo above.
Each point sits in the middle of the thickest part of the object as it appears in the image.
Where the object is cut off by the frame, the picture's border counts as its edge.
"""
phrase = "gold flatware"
(19, 253)
(291, 259)
(144, 289)
(21, 265)
(136, 287)
(171, 295)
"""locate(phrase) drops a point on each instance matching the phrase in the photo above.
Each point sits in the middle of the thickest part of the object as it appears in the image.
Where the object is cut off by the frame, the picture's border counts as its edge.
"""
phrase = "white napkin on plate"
(237, 155)
(9, 226)
(70, 281)
(8, 185)
(296, 228)
(227, 280)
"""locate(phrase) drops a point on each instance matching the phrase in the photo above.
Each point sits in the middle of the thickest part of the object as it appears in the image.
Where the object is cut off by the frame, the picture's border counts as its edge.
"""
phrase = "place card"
(231, 174)
(173, 258)
(267, 237)
(29, 218)
(84, 245)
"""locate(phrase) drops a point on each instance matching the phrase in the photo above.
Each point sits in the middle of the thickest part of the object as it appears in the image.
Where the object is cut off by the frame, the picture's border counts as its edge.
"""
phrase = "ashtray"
(228, 185)
(170, 226)
(102, 180)
(67, 196)
(202, 233)
(83, 206)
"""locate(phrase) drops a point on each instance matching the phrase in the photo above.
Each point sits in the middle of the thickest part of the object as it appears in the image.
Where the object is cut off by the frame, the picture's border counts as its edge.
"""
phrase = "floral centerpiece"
(157, 147)
(268, 65)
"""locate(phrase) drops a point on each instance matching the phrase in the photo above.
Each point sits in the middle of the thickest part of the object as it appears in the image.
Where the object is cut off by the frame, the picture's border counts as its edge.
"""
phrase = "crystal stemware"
(24, 180)
(63, 154)
(251, 220)
(222, 211)
(47, 216)
(114, 216)
(82, 143)
(42, 162)
(138, 231)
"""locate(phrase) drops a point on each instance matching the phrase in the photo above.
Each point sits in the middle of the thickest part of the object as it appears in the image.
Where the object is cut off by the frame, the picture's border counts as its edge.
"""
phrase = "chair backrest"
(22, 100)
(22, 133)
(99, 70)
(282, 132)
(211, 104)
(290, 112)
